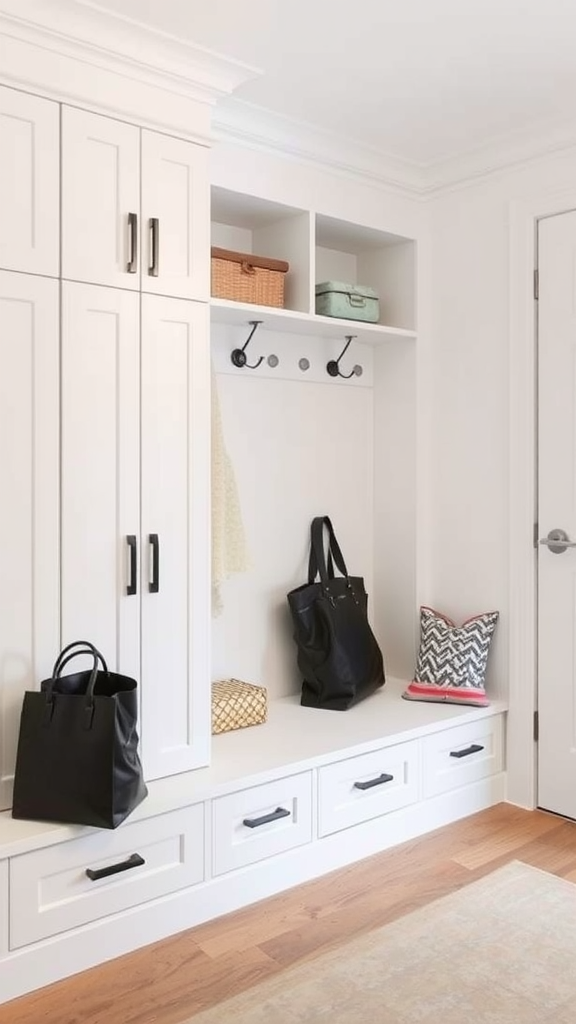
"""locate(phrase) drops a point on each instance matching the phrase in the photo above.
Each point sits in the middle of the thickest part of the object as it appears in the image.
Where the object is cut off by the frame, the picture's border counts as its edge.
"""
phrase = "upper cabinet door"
(29, 524)
(100, 199)
(175, 217)
(29, 183)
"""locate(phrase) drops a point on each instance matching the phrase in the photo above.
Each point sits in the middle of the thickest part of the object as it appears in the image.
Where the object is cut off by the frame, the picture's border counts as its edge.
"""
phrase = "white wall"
(469, 534)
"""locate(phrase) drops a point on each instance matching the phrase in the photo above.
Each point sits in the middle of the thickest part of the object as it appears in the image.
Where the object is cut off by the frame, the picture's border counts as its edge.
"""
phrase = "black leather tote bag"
(338, 655)
(77, 758)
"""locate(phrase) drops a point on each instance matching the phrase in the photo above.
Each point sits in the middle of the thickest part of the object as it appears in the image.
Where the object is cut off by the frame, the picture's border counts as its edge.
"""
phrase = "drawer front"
(50, 890)
(364, 787)
(3, 907)
(458, 756)
(261, 821)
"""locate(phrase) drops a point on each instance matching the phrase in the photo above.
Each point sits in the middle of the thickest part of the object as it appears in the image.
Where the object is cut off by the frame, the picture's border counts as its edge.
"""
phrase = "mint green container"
(347, 301)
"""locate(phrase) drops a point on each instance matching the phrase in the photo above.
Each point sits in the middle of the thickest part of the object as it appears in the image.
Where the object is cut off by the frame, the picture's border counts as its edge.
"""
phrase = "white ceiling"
(419, 81)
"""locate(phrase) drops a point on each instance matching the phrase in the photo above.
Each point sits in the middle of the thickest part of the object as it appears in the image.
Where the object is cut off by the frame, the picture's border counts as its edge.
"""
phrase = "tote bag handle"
(317, 556)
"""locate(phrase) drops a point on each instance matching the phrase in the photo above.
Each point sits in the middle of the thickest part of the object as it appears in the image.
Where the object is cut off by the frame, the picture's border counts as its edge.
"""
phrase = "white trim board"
(78, 53)
(521, 748)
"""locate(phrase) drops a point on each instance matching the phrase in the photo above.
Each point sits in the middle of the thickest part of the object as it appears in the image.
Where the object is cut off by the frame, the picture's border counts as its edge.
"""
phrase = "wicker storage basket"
(246, 278)
(236, 704)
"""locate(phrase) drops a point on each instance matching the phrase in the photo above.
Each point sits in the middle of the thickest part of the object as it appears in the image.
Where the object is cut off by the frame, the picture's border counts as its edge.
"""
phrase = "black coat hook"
(239, 357)
(333, 367)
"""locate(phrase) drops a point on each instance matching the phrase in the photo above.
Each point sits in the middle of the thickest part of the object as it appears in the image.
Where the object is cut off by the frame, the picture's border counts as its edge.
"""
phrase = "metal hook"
(239, 357)
(333, 366)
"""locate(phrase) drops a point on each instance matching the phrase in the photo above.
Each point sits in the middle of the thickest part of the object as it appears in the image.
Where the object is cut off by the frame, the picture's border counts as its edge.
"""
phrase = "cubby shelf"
(294, 322)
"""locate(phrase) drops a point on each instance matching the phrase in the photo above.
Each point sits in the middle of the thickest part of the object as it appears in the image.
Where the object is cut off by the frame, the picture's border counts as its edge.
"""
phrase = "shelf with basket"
(316, 249)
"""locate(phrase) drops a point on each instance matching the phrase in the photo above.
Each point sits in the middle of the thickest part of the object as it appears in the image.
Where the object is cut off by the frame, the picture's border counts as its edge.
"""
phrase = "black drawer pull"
(374, 782)
(134, 861)
(474, 748)
(280, 812)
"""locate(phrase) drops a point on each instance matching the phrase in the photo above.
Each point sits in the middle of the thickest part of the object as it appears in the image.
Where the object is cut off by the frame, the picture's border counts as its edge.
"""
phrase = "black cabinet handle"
(154, 246)
(280, 812)
(472, 749)
(134, 861)
(133, 578)
(132, 265)
(154, 585)
(374, 782)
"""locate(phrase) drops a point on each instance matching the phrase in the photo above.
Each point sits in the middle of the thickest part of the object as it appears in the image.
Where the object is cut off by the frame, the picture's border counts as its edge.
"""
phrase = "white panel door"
(175, 535)
(557, 511)
(100, 199)
(175, 217)
(29, 528)
(100, 472)
(29, 183)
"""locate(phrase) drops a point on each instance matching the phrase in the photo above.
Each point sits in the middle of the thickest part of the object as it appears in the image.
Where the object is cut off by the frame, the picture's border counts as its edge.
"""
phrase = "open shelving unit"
(318, 248)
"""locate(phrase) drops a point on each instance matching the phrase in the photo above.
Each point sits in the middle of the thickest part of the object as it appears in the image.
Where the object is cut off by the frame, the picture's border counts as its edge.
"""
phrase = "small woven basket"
(236, 705)
(246, 278)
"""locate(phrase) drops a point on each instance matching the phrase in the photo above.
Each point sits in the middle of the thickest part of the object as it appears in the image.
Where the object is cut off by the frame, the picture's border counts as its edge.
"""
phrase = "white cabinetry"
(100, 199)
(175, 419)
(101, 470)
(135, 207)
(134, 540)
(175, 217)
(86, 879)
(278, 806)
(29, 183)
(29, 467)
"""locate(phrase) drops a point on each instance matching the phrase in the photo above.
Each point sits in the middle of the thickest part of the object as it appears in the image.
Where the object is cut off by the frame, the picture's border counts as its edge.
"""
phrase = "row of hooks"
(240, 359)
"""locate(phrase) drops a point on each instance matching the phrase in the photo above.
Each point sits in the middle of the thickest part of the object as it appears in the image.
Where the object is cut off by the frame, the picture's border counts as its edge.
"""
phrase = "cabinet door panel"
(175, 508)
(100, 189)
(29, 183)
(175, 194)
(29, 461)
(100, 470)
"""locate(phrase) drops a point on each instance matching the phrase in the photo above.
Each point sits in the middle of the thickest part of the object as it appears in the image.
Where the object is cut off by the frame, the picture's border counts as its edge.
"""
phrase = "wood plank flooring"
(170, 981)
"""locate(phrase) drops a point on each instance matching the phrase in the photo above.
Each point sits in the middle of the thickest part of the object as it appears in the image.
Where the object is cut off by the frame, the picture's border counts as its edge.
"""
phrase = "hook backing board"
(291, 356)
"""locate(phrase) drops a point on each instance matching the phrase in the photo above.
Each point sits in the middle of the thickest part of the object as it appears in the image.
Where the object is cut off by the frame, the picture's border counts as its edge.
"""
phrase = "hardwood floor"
(170, 981)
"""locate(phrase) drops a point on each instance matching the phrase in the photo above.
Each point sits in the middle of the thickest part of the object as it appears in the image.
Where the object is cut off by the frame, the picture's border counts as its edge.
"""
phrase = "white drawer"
(51, 892)
(367, 786)
(261, 821)
(460, 755)
(3, 907)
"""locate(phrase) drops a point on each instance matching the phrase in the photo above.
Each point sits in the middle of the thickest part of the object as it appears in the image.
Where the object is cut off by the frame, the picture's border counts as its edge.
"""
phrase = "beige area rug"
(500, 951)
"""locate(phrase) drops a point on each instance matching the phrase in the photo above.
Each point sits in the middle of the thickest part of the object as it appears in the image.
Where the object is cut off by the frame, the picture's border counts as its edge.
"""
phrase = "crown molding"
(499, 155)
(82, 32)
(254, 127)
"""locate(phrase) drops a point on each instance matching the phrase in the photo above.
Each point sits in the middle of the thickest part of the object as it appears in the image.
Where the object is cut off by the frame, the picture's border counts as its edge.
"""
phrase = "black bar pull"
(280, 812)
(154, 585)
(133, 578)
(154, 246)
(374, 782)
(134, 861)
(474, 748)
(132, 265)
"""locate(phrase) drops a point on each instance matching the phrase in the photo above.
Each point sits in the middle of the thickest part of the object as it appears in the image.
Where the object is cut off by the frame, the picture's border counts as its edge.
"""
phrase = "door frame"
(522, 491)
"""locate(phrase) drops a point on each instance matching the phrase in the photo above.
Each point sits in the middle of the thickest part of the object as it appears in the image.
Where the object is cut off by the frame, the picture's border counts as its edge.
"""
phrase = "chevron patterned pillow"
(452, 659)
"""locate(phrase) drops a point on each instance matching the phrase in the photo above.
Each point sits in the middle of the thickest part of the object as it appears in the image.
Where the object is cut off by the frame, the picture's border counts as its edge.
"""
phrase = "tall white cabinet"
(104, 416)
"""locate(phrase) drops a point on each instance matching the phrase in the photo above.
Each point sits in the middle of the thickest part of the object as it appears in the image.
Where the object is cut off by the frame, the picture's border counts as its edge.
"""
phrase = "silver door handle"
(557, 541)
